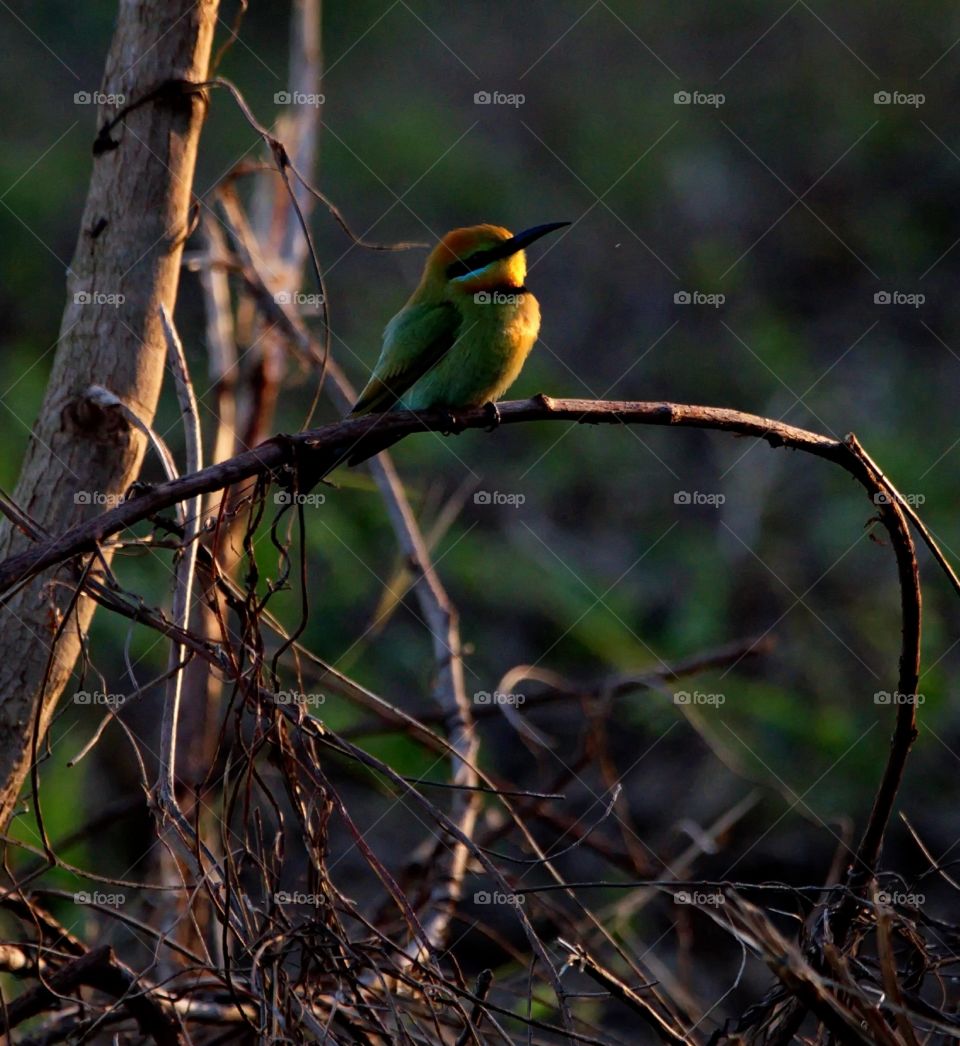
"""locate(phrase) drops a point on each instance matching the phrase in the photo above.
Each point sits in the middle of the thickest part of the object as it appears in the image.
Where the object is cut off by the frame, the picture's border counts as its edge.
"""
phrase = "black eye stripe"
(477, 260)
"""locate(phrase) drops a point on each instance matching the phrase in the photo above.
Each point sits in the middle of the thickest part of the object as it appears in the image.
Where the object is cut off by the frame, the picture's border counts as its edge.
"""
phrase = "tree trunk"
(125, 266)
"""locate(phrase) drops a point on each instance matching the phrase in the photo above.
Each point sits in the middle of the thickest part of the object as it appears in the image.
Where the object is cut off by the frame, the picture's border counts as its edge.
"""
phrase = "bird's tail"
(368, 447)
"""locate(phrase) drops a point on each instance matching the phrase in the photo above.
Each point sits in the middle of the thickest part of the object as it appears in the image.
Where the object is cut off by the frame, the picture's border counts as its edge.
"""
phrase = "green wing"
(415, 340)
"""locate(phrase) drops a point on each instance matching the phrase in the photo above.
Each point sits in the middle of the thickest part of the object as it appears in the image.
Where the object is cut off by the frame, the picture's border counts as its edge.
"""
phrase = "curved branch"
(317, 451)
(905, 732)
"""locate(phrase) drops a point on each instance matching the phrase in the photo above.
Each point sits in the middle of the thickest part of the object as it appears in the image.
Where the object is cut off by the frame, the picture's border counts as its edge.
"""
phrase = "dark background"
(799, 199)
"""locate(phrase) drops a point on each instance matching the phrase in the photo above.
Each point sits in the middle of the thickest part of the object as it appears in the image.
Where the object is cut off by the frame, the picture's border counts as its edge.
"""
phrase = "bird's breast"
(507, 319)
(498, 329)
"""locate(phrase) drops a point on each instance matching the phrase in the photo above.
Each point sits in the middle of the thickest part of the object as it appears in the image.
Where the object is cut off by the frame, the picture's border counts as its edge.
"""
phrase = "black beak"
(502, 250)
(524, 239)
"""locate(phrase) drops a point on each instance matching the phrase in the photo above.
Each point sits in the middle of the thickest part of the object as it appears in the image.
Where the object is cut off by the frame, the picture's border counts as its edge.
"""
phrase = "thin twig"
(579, 957)
(184, 574)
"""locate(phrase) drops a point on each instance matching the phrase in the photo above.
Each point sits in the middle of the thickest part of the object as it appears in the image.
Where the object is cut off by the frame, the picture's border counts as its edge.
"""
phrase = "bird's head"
(479, 257)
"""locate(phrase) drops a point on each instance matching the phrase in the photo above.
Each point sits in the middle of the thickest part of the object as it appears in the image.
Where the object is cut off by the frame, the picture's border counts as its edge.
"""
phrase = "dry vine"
(298, 738)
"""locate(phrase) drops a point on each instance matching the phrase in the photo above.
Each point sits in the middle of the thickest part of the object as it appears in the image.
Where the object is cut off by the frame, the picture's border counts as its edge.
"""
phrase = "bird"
(464, 335)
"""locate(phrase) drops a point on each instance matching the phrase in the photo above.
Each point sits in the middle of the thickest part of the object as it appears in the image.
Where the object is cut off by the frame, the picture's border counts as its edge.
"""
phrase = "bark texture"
(126, 264)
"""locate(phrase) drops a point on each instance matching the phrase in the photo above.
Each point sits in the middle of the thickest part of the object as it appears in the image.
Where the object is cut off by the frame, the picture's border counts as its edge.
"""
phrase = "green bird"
(464, 335)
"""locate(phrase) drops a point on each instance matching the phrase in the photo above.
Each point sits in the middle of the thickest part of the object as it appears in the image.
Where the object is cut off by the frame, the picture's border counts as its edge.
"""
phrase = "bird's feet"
(493, 414)
(452, 424)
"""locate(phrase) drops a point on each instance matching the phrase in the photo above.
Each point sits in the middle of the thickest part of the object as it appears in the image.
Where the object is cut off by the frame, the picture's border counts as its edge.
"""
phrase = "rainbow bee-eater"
(466, 331)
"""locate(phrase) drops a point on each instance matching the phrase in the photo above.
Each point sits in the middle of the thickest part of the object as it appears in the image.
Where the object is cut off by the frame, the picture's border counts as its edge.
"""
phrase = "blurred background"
(764, 217)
